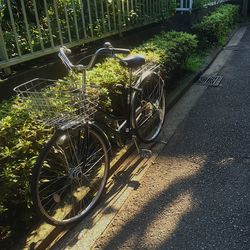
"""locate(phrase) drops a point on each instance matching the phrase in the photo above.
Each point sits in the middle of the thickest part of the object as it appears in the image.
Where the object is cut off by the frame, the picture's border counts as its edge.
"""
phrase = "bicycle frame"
(126, 119)
(72, 170)
(133, 85)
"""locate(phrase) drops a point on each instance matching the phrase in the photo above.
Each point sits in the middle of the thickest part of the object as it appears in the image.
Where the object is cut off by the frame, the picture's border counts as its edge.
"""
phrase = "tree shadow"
(218, 215)
(121, 179)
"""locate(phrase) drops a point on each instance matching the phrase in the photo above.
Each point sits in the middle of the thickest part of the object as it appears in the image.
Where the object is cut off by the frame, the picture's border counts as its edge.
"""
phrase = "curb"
(195, 76)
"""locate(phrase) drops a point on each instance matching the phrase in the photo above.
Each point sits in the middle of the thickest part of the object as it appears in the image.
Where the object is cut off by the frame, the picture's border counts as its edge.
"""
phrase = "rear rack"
(148, 67)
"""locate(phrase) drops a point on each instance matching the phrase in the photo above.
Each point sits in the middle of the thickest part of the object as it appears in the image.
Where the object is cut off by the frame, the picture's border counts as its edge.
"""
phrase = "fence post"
(58, 20)
(49, 24)
(108, 15)
(90, 19)
(119, 12)
(26, 25)
(83, 20)
(38, 25)
(190, 5)
(3, 52)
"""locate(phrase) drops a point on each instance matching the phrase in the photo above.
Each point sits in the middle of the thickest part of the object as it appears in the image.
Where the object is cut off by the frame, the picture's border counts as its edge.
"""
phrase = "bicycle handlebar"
(108, 49)
(119, 51)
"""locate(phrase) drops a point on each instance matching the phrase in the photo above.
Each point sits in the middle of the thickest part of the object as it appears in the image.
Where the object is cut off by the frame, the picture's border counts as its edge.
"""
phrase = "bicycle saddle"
(133, 61)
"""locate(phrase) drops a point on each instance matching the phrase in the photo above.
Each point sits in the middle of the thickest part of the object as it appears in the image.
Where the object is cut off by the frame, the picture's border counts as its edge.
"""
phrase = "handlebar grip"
(120, 51)
(66, 50)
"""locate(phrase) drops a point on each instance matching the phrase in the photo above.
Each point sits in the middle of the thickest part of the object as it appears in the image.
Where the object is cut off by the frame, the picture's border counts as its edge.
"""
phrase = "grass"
(195, 61)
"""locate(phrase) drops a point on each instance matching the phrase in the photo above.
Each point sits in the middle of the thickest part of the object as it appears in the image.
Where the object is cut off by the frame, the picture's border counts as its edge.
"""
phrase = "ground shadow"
(216, 130)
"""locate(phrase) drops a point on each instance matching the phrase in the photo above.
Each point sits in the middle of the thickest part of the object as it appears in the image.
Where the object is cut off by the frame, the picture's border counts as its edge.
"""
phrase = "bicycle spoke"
(51, 182)
(149, 108)
(57, 191)
(93, 166)
(72, 176)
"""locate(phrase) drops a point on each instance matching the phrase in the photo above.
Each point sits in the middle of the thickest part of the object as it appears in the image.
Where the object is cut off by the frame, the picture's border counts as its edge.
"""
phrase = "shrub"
(215, 27)
(198, 4)
(22, 137)
(170, 49)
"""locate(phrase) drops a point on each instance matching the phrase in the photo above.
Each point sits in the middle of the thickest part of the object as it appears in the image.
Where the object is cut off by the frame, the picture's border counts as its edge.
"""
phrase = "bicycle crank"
(145, 153)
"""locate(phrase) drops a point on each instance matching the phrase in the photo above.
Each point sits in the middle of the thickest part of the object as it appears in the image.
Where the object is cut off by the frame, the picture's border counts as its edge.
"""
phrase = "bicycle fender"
(144, 76)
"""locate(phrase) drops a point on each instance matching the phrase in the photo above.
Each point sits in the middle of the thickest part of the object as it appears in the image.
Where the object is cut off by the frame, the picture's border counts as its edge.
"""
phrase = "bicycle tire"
(148, 108)
(70, 175)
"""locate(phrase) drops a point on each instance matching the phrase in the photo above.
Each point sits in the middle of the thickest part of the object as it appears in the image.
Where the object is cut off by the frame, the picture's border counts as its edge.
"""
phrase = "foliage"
(197, 4)
(170, 49)
(22, 137)
(215, 27)
(195, 61)
(167, 9)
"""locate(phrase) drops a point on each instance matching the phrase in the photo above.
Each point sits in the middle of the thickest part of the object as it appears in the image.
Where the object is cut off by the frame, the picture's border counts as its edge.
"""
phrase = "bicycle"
(71, 171)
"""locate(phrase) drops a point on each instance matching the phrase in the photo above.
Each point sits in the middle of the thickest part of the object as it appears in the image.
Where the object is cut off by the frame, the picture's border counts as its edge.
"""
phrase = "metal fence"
(33, 28)
(184, 5)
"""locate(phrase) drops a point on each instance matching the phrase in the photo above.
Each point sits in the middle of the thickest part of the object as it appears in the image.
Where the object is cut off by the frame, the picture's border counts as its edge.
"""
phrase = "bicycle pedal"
(145, 153)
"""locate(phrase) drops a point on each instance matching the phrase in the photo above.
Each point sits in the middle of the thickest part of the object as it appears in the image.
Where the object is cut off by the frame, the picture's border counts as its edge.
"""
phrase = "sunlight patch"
(168, 220)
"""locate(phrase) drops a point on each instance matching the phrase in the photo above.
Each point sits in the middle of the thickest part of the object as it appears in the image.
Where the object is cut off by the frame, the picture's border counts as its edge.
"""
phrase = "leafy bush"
(195, 61)
(198, 4)
(215, 27)
(170, 49)
(22, 137)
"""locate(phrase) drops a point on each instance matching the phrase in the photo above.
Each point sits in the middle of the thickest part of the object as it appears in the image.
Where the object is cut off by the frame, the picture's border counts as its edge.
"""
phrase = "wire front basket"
(57, 104)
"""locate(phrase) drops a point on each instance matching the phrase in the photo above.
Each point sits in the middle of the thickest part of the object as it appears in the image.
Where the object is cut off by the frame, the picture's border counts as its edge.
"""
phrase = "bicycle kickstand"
(143, 152)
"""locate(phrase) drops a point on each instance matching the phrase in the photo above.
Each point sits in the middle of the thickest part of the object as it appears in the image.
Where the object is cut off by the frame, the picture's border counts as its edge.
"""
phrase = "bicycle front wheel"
(70, 175)
(148, 108)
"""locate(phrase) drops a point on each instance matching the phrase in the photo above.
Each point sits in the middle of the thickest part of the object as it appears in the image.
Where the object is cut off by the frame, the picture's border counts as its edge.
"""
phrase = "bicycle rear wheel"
(148, 108)
(70, 175)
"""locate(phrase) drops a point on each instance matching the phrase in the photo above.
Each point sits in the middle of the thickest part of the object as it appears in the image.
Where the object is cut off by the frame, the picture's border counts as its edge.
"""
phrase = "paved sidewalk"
(196, 194)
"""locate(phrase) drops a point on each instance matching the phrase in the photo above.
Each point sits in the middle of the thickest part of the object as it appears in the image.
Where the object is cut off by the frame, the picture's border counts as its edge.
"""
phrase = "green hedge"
(199, 4)
(169, 49)
(21, 137)
(215, 27)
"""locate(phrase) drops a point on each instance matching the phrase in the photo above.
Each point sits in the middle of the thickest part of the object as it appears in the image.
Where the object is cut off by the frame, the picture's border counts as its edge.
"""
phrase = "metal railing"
(184, 5)
(31, 29)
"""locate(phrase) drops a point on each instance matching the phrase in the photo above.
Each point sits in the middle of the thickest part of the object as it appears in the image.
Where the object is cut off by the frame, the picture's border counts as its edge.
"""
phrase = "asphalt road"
(196, 194)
